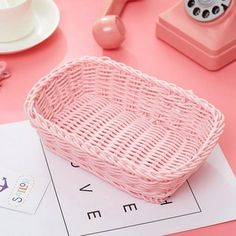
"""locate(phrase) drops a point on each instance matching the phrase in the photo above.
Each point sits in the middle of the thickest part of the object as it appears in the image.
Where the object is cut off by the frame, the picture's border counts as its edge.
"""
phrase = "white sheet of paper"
(77, 203)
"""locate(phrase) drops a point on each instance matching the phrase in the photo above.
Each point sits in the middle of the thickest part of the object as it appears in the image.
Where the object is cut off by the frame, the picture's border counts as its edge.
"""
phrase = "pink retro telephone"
(204, 30)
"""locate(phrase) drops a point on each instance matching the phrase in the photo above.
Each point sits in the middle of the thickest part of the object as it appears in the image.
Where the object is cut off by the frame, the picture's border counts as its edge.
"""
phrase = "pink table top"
(141, 50)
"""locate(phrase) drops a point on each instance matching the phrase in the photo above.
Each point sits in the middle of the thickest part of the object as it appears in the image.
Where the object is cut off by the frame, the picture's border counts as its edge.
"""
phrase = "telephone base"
(212, 45)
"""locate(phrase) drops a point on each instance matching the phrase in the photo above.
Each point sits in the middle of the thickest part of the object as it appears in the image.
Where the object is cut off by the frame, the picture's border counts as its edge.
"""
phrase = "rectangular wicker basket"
(143, 135)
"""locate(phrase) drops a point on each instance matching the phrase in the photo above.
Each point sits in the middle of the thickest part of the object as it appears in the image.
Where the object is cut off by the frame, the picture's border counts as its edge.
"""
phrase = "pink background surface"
(141, 50)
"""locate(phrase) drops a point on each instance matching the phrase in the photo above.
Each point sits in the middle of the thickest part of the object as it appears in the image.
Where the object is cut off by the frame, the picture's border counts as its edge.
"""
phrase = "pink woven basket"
(143, 135)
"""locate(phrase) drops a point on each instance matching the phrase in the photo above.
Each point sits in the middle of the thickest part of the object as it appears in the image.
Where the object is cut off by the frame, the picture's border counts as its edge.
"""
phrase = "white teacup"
(16, 19)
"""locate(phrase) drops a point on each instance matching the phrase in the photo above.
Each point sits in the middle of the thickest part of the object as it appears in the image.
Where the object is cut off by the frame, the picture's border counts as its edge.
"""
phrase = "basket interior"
(126, 115)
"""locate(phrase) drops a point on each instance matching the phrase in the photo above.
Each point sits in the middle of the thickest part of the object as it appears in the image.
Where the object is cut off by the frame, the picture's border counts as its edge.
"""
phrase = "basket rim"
(39, 122)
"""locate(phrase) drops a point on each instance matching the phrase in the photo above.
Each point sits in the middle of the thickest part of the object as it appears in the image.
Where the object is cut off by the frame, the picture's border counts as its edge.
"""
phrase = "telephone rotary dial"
(206, 10)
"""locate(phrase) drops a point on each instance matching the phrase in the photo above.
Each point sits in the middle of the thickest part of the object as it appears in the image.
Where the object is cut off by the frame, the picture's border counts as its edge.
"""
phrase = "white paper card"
(21, 191)
(78, 203)
(207, 198)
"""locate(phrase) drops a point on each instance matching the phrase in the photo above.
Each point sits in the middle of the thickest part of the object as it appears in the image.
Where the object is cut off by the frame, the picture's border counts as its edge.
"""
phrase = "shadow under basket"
(143, 135)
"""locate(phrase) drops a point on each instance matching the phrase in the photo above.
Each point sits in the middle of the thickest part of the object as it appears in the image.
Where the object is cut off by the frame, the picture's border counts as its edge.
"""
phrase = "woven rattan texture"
(143, 135)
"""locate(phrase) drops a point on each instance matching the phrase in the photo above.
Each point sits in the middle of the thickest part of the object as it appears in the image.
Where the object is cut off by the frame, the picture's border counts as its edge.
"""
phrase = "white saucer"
(47, 19)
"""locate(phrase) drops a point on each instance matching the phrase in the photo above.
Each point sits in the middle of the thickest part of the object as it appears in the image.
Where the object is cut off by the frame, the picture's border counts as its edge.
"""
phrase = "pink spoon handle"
(4, 73)
(3, 66)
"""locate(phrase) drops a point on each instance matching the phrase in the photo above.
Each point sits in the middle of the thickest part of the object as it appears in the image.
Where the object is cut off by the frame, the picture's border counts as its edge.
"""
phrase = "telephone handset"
(203, 30)
(109, 31)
